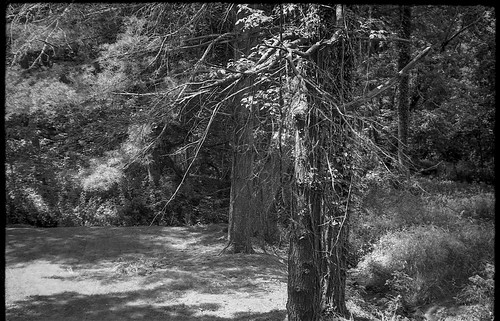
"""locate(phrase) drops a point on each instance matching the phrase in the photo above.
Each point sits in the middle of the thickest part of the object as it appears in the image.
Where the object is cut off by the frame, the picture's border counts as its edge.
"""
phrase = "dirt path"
(138, 273)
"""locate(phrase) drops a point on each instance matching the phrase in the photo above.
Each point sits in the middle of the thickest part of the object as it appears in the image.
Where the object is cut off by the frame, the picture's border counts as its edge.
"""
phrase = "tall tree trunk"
(241, 209)
(303, 273)
(334, 224)
(268, 184)
(403, 103)
(318, 245)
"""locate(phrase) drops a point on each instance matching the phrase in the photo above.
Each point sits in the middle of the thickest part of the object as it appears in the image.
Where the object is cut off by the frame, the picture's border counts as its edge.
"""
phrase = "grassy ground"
(138, 273)
(423, 254)
(426, 246)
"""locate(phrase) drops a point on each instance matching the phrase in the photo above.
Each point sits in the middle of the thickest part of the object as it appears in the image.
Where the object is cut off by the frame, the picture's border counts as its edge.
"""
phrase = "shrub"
(481, 287)
(385, 208)
(84, 212)
(481, 207)
(480, 240)
(480, 290)
(467, 171)
(29, 207)
(134, 211)
(449, 187)
(418, 263)
(107, 214)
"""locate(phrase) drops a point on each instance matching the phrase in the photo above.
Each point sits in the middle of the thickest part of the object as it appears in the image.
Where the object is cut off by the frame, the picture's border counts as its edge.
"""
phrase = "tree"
(322, 173)
(49, 99)
(241, 208)
(403, 102)
(452, 114)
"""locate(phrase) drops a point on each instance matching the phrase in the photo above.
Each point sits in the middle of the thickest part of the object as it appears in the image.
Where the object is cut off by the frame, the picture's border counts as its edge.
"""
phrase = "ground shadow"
(85, 245)
(179, 259)
(72, 306)
(146, 251)
(214, 273)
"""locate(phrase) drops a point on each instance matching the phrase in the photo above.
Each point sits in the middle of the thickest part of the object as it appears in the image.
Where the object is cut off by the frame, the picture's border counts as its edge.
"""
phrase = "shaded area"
(89, 245)
(143, 273)
(190, 255)
(121, 306)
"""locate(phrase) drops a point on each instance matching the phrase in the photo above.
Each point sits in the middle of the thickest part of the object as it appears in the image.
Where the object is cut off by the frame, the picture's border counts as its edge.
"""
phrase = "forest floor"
(138, 273)
(146, 273)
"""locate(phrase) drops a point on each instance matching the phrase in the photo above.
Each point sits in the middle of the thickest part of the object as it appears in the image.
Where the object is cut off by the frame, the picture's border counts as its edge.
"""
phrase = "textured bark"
(403, 102)
(241, 209)
(337, 204)
(318, 246)
(268, 184)
(334, 262)
(303, 274)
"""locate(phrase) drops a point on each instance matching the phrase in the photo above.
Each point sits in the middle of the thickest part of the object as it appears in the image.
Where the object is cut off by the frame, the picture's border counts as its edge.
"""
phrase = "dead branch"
(384, 39)
(387, 84)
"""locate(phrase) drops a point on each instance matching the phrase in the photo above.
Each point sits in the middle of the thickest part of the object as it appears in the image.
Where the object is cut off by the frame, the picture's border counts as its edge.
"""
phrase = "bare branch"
(389, 83)
(447, 41)
(385, 39)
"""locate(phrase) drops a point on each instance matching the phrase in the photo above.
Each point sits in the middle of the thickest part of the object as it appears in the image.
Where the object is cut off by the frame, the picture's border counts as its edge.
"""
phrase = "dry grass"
(423, 241)
(138, 273)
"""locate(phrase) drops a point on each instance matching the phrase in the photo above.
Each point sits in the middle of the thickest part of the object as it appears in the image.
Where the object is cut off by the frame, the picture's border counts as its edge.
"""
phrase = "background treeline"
(95, 136)
(88, 88)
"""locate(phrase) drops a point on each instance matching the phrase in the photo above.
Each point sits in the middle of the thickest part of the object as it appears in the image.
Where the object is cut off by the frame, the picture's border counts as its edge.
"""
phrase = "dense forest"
(359, 137)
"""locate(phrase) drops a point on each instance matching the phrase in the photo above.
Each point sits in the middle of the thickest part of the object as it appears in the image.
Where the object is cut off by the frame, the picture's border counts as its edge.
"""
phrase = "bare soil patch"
(138, 273)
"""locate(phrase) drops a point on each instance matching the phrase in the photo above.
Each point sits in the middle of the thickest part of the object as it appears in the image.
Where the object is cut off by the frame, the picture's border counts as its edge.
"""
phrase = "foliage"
(96, 134)
(423, 240)
(418, 263)
(449, 121)
(64, 116)
(480, 290)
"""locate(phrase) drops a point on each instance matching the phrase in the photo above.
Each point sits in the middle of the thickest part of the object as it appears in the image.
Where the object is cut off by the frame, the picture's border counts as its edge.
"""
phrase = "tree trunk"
(241, 209)
(303, 273)
(334, 224)
(268, 184)
(318, 245)
(403, 103)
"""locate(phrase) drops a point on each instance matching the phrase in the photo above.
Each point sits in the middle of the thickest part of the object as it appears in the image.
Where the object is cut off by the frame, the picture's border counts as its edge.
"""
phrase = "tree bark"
(337, 205)
(268, 184)
(403, 103)
(303, 273)
(241, 209)
(320, 218)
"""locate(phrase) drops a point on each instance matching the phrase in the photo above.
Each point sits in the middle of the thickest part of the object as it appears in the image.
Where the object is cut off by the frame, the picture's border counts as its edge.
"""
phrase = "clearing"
(138, 273)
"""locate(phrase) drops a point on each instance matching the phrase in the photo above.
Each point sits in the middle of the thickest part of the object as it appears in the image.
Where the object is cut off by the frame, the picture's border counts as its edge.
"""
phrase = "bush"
(84, 213)
(481, 287)
(420, 263)
(480, 207)
(480, 240)
(480, 291)
(449, 187)
(385, 208)
(134, 211)
(29, 207)
(467, 171)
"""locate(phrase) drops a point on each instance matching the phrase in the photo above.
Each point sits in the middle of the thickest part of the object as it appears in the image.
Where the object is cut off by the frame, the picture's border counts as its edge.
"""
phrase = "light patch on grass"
(187, 280)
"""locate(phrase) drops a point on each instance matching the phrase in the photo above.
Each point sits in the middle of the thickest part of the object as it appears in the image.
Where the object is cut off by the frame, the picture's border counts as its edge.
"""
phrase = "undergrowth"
(425, 241)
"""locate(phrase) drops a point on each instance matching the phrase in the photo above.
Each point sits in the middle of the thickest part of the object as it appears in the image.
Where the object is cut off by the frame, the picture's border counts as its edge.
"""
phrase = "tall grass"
(425, 240)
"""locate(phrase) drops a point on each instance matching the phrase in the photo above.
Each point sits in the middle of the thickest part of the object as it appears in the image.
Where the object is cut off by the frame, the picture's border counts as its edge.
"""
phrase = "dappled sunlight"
(157, 273)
